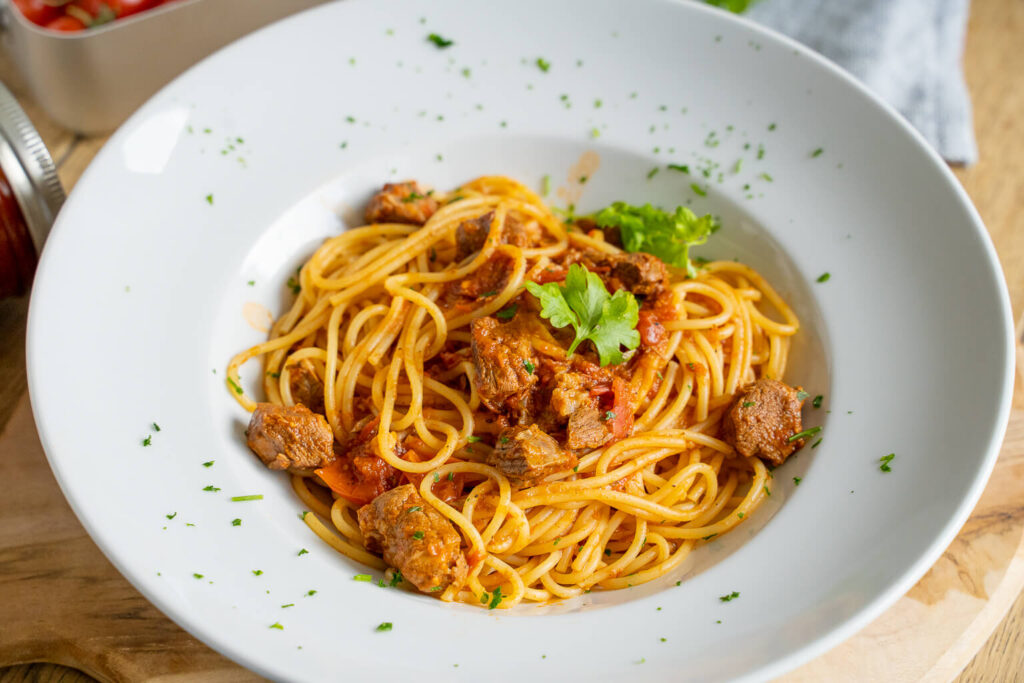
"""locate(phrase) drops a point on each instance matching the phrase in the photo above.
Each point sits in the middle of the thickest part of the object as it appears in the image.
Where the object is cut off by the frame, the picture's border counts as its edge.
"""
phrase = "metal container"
(92, 80)
(30, 196)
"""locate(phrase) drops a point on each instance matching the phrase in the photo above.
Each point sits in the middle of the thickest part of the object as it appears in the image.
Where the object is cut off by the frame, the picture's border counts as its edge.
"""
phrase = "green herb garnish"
(668, 236)
(440, 42)
(239, 499)
(384, 626)
(543, 64)
(804, 434)
(609, 322)
(885, 460)
(730, 596)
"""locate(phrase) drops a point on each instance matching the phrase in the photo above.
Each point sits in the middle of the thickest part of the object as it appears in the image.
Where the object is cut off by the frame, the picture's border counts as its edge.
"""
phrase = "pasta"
(383, 327)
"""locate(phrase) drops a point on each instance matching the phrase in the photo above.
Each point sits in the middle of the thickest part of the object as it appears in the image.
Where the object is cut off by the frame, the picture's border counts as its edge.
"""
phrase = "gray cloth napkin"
(907, 52)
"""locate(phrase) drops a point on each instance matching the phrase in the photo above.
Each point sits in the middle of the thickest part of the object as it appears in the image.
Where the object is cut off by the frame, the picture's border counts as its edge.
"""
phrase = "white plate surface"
(237, 170)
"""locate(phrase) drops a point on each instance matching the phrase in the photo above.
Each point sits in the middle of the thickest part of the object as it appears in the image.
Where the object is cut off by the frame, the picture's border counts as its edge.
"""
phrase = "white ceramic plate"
(208, 198)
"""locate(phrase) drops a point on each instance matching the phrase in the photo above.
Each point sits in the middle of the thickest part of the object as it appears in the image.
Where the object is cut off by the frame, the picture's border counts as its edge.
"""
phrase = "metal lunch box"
(92, 80)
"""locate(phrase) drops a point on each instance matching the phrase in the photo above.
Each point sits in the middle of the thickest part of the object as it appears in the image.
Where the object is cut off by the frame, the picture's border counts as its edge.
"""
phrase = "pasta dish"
(496, 402)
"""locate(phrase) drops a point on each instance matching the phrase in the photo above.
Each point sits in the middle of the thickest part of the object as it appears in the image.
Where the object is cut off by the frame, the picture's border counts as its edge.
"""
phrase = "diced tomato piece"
(652, 332)
(37, 11)
(66, 25)
(622, 423)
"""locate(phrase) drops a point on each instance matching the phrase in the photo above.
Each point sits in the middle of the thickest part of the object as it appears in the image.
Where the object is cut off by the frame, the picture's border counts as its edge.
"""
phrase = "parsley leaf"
(385, 626)
(668, 236)
(609, 322)
(730, 596)
(885, 460)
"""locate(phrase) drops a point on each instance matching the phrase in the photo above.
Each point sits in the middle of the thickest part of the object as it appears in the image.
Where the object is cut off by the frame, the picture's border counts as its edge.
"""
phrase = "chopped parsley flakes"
(148, 441)
(817, 401)
(418, 535)
(236, 522)
(824, 277)
(543, 64)
(730, 596)
(496, 598)
(885, 460)
(804, 434)
(208, 463)
(384, 626)
(441, 44)
(211, 487)
(507, 313)
(529, 366)
(277, 625)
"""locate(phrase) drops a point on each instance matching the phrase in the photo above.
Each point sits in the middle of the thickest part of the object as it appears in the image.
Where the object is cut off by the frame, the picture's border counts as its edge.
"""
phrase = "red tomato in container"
(66, 25)
(37, 11)
(124, 8)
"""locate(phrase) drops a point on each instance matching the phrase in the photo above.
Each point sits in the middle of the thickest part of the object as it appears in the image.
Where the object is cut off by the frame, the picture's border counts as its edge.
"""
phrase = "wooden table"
(62, 601)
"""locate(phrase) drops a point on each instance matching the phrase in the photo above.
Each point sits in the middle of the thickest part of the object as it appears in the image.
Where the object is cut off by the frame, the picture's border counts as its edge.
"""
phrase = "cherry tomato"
(37, 11)
(66, 25)
(125, 8)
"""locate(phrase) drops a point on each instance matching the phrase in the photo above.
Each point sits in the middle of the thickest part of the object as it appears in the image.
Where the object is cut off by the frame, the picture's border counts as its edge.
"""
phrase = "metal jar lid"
(31, 174)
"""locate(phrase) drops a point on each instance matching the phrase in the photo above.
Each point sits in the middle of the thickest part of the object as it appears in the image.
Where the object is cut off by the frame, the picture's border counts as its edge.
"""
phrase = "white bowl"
(139, 298)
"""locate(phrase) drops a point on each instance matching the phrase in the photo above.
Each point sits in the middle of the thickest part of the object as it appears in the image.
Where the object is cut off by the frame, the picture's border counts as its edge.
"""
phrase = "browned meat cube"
(505, 363)
(290, 438)
(763, 416)
(527, 454)
(401, 203)
(414, 538)
(586, 428)
(306, 388)
(471, 235)
(640, 273)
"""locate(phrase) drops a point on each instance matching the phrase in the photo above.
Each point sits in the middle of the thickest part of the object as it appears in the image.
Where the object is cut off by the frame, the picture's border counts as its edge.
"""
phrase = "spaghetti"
(383, 327)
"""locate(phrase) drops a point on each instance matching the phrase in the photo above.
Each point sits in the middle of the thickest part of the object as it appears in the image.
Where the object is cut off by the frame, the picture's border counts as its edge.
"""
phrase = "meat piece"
(290, 438)
(640, 273)
(612, 234)
(471, 235)
(414, 538)
(306, 388)
(587, 428)
(527, 454)
(401, 203)
(504, 361)
(761, 419)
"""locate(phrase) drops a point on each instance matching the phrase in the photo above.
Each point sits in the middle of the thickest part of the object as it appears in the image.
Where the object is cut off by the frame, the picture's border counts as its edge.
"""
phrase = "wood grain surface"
(64, 604)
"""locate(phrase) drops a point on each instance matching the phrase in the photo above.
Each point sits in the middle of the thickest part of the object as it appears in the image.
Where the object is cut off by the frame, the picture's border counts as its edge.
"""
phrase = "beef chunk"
(586, 428)
(761, 419)
(640, 273)
(571, 399)
(401, 203)
(290, 438)
(306, 388)
(504, 359)
(471, 235)
(527, 454)
(414, 538)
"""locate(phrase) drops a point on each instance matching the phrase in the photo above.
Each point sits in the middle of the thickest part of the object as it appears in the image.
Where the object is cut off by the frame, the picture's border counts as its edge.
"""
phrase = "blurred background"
(78, 68)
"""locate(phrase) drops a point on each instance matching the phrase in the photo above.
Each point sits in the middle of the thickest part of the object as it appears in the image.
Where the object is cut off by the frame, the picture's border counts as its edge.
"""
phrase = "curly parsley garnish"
(668, 236)
(609, 322)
